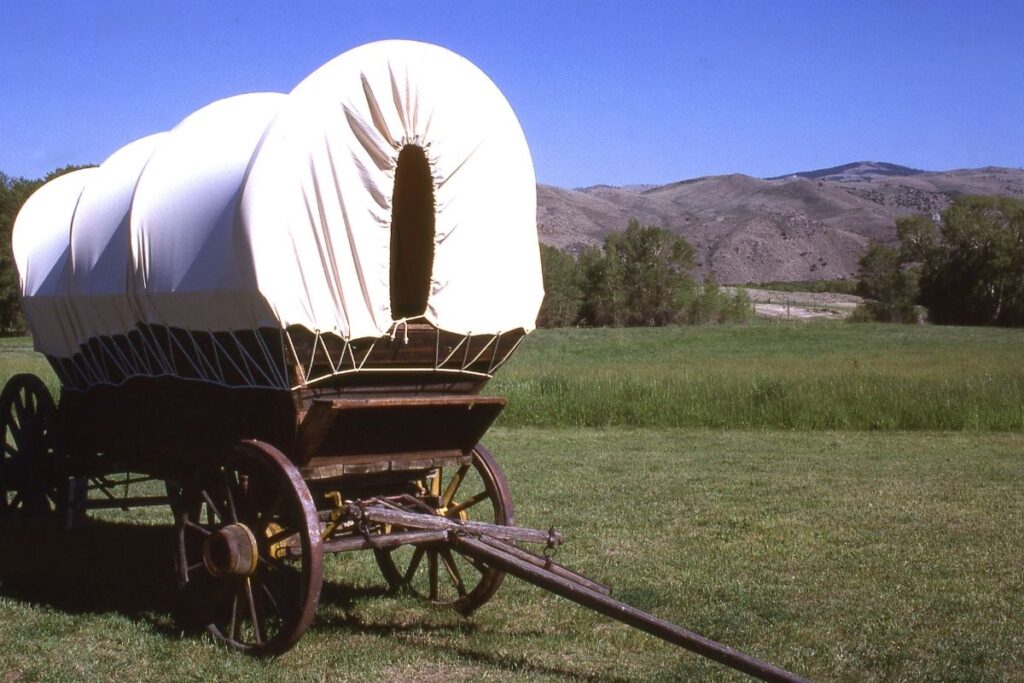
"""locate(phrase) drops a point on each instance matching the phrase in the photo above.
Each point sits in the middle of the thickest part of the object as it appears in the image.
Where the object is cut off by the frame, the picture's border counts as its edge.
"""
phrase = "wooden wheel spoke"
(271, 563)
(211, 507)
(274, 602)
(432, 573)
(468, 503)
(477, 564)
(189, 524)
(414, 563)
(453, 571)
(230, 497)
(250, 598)
(10, 411)
(18, 434)
(453, 485)
(233, 624)
(19, 408)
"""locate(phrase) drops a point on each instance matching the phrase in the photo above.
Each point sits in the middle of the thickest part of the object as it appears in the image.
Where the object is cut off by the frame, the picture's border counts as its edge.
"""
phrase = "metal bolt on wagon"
(285, 309)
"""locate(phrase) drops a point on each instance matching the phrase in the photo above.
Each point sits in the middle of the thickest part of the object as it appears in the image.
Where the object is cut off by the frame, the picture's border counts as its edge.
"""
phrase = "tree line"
(13, 193)
(641, 276)
(967, 270)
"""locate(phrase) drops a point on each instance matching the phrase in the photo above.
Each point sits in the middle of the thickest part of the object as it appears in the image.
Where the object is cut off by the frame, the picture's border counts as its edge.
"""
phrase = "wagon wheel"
(248, 550)
(32, 480)
(438, 574)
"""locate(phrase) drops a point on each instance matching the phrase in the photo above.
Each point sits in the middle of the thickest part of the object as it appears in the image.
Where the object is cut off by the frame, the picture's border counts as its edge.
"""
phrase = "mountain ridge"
(806, 225)
(855, 170)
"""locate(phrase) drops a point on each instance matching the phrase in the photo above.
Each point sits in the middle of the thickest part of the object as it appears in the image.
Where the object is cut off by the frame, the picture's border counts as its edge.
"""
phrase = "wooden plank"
(367, 467)
(395, 425)
(328, 467)
(313, 428)
(168, 425)
(410, 402)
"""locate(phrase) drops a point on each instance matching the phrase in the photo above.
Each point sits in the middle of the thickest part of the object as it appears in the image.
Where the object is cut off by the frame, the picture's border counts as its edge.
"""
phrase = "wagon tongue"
(492, 544)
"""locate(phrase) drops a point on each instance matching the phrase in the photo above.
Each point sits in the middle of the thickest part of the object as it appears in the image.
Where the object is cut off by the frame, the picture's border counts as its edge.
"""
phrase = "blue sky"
(607, 92)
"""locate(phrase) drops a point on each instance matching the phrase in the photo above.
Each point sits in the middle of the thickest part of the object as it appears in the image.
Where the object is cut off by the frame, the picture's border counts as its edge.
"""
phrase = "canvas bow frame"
(289, 359)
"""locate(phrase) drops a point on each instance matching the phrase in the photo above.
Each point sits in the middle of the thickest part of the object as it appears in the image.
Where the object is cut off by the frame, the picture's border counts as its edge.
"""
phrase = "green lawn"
(16, 355)
(840, 555)
(775, 376)
(841, 500)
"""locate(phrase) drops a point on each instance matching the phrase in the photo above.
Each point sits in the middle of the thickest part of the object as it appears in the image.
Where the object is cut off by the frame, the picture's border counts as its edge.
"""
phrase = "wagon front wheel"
(32, 480)
(476, 491)
(248, 550)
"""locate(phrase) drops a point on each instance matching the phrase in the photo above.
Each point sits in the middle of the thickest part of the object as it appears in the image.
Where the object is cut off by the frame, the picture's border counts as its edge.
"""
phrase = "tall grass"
(821, 376)
(763, 376)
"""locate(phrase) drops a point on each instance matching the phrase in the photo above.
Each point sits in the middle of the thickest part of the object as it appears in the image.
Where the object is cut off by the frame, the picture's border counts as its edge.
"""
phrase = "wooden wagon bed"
(164, 426)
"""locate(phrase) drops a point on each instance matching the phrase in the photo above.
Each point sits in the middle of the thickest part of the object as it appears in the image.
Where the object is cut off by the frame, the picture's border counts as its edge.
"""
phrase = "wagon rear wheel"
(438, 574)
(248, 553)
(32, 479)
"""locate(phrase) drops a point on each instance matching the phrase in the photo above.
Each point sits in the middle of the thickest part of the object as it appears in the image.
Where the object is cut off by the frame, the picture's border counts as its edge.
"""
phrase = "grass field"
(839, 555)
(756, 484)
(769, 376)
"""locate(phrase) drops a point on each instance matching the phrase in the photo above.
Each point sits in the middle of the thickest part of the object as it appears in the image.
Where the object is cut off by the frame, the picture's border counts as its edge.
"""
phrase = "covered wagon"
(331, 274)
(285, 309)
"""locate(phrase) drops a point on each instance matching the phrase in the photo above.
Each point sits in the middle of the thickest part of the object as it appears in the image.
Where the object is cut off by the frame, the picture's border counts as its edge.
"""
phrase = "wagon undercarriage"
(402, 476)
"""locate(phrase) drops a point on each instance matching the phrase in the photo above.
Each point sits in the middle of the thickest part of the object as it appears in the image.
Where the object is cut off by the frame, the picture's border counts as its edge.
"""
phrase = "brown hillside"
(811, 225)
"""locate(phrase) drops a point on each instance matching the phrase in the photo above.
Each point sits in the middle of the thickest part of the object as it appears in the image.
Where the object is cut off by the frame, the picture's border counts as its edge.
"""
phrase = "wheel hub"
(231, 551)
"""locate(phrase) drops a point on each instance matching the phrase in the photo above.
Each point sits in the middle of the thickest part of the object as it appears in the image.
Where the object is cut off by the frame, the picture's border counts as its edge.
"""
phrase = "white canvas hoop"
(266, 213)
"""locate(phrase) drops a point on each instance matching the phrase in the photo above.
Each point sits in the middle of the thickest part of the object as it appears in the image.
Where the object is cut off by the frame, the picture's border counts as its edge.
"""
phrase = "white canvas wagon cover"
(270, 211)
